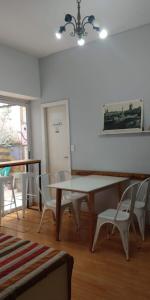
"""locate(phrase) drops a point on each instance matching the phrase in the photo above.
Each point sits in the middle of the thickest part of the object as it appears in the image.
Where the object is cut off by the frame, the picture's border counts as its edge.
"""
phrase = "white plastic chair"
(141, 203)
(25, 179)
(4, 181)
(119, 218)
(48, 202)
(75, 197)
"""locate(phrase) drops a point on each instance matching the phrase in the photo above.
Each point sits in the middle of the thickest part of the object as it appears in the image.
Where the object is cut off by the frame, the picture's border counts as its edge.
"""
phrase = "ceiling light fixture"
(79, 25)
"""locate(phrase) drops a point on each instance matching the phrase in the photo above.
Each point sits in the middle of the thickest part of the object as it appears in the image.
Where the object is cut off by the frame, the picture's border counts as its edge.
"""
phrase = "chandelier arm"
(74, 20)
(84, 20)
(86, 24)
(74, 27)
(96, 28)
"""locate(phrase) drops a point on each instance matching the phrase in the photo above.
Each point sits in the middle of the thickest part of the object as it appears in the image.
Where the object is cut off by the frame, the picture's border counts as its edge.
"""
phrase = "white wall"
(19, 73)
(101, 72)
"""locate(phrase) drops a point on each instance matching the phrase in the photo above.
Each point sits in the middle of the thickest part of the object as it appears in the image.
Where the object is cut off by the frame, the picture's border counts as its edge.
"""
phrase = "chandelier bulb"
(81, 42)
(58, 35)
(103, 34)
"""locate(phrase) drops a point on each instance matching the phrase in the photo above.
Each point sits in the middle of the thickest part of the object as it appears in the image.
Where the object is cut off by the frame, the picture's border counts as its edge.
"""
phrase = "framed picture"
(122, 117)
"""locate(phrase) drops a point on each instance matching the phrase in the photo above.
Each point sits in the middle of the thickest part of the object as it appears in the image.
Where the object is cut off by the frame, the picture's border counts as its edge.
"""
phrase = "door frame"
(44, 107)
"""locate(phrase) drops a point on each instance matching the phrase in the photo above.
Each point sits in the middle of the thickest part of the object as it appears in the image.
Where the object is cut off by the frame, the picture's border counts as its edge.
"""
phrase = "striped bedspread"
(23, 263)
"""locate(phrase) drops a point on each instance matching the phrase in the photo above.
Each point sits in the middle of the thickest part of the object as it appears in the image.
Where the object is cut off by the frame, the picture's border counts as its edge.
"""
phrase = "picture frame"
(122, 117)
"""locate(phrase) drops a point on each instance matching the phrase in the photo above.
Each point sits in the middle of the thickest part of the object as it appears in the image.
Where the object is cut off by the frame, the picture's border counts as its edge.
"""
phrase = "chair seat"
(76, 195)
(52, 203)
(138, 204)
(110, 214)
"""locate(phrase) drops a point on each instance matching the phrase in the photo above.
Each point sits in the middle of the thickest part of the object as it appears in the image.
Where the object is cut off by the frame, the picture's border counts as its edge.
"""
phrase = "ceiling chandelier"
(79, 26)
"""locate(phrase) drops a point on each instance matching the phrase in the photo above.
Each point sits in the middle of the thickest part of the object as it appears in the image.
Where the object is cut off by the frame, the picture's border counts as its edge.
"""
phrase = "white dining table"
(89, 185)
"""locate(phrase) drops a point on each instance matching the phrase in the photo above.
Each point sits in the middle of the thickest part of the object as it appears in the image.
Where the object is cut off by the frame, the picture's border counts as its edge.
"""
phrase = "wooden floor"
(104, 275)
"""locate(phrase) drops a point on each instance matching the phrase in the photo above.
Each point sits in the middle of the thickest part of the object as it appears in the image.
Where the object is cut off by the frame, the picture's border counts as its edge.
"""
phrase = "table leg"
(58, 213)
(40, 196)
(92, 218)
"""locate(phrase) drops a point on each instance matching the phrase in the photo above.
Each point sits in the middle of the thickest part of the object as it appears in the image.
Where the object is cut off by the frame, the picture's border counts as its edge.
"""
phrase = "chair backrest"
(31, 185)
(24, 180)
(6, 179)
(46, 179)
(62, 175)
(130, 193)
(3, 181)
(25, 183)
(144, 191)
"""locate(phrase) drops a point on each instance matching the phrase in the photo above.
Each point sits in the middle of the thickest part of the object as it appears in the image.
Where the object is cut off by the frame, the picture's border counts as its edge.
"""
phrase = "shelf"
(126, 133)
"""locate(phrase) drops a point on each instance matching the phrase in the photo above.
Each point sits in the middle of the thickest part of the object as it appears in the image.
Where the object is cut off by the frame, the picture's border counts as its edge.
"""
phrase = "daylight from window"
(13, 128)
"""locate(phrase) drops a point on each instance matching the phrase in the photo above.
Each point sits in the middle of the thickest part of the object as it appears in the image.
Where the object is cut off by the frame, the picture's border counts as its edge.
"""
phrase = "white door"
(58, 141)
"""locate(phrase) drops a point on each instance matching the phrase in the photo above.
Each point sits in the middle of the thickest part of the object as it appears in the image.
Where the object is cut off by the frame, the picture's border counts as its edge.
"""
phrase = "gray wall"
(101, 72)
(36, 129)
(19, 72)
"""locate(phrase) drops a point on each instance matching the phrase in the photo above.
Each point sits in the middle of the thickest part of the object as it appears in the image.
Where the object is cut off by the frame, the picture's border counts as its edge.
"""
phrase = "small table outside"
(89, 185)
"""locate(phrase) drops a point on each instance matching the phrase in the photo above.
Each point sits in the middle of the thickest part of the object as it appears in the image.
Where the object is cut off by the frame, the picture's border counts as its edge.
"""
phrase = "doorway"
(15, 142)
(56, 136)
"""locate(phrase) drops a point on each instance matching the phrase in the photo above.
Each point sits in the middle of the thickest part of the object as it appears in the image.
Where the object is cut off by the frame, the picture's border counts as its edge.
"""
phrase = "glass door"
(14, 141)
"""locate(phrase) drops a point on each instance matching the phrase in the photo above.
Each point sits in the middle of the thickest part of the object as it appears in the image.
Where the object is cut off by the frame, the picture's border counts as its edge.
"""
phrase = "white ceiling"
(29, 25)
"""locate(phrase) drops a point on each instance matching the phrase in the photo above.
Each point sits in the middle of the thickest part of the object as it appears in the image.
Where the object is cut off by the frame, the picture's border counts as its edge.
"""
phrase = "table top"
(88, 183)
(19, 162)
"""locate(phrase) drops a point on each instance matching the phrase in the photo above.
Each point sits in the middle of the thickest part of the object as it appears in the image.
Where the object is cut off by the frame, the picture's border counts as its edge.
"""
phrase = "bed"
(29, 270)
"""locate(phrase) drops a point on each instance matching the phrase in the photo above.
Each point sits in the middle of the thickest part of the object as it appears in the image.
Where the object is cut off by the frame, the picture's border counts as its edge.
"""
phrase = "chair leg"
(98, 226)
(109, 230)
(23, 212)
(133, 227)
(54, 217)
(134, 230)
(113, 230)
(25, 185)
(13, 194)
(124, 233)
(43, 213)
(23, 204)
(140, 215)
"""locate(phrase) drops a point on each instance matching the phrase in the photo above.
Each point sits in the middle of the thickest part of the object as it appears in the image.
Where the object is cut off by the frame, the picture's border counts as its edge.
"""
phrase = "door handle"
(66, 156)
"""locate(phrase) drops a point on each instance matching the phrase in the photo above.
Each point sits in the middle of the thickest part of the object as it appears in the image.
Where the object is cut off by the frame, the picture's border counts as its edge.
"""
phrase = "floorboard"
(103, 275)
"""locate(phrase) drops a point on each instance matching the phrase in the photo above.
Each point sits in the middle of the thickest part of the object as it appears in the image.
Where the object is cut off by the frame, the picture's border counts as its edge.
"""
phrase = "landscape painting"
(122, 117)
